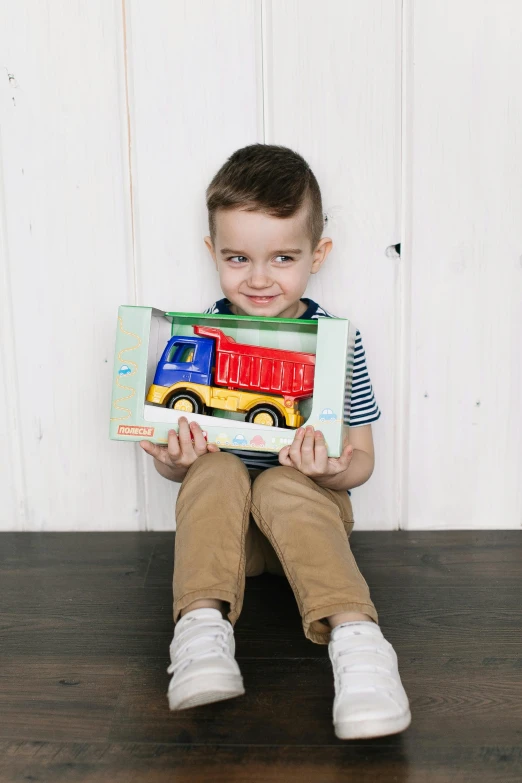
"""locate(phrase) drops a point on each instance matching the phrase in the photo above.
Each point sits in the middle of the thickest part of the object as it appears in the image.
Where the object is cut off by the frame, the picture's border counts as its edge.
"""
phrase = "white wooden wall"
(114, 116)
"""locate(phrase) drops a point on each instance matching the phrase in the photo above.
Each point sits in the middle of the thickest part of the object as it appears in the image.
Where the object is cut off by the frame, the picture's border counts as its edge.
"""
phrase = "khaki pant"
(232, 524)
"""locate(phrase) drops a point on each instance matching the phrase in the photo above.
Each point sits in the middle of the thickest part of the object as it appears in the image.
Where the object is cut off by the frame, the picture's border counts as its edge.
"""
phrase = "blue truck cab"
(188, 359)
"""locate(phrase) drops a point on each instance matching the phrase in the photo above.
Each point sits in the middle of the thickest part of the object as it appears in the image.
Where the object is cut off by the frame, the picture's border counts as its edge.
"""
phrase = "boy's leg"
(212, 521)
(308, 527)
(216, 543)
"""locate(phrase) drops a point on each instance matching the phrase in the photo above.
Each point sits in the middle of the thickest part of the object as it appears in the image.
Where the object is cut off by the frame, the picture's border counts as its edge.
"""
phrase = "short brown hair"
(266, 178)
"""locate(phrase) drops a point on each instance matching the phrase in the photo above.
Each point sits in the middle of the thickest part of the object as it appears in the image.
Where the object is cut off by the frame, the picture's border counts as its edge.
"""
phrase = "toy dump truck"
(213, 371)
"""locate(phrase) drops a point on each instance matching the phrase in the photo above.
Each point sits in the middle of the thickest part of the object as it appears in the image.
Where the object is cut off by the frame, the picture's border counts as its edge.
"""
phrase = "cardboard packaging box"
(228, 373)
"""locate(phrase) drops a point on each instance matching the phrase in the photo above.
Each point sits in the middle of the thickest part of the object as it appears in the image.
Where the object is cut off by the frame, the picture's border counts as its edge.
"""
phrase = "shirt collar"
(223, 307)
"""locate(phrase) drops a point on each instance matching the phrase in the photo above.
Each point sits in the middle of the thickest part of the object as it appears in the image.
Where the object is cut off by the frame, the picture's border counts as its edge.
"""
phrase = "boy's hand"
(183, 448)
(309, 455)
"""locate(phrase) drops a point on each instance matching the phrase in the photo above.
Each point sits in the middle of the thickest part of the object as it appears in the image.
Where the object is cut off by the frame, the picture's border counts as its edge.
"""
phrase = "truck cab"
(189, 359)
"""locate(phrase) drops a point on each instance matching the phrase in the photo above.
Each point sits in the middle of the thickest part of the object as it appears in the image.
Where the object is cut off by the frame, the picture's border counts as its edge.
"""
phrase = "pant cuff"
(199, 595)
(320, 632)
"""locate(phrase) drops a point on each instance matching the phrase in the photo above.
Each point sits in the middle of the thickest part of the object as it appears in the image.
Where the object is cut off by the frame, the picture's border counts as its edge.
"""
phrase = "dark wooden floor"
(86, 621)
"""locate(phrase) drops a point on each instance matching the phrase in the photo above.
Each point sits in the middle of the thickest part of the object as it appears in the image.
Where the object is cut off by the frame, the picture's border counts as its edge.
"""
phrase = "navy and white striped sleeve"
(361, 408)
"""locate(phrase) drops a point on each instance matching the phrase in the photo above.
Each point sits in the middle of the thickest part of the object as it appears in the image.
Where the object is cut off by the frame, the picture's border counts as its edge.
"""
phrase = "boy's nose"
(259, 280)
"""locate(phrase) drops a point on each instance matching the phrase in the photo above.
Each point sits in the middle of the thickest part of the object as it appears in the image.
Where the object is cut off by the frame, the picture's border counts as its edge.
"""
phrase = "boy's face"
(264, 262)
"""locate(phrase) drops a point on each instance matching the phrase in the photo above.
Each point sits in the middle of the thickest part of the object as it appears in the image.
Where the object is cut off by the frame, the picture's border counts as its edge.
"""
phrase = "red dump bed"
(256, 368)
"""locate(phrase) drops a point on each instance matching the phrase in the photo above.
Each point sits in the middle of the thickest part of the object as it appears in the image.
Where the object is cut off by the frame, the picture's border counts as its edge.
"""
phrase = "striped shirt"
(359, 408)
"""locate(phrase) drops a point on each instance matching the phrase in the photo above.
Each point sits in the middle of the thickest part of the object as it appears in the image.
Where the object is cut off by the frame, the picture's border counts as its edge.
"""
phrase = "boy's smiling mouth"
(261, 299)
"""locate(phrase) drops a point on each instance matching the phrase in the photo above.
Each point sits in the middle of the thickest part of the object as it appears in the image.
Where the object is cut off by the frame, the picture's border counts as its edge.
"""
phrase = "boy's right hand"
(183, 448)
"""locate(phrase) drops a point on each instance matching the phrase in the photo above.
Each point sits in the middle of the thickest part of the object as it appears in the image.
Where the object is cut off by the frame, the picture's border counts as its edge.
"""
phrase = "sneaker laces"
(219, 644)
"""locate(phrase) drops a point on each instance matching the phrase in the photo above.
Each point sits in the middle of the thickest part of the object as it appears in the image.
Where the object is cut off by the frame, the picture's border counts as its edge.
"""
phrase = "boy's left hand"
(309, 455)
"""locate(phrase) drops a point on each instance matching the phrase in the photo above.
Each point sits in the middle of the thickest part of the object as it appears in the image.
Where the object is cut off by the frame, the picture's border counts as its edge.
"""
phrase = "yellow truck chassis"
(229, 399)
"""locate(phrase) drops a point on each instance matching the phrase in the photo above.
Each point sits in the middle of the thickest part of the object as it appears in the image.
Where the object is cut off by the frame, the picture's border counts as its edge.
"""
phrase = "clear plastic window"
(181, 353)
(186, 354)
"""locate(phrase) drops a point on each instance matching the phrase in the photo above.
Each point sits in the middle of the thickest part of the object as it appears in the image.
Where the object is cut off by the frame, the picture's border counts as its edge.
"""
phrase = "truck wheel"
(187, 402)
(267, 415)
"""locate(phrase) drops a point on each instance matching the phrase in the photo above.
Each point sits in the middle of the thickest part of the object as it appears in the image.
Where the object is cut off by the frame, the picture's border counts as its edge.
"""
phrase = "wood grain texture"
(65, 220)
(114, 118)
(342, 113)
(464, 68)
(128, 762)
(84, 635)
(193, 73)
(12, 480)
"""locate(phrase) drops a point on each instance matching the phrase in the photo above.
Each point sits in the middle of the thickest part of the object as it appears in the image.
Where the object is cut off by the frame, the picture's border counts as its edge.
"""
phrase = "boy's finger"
(200, 444)
(284, 458)
(156, 451)
(321, 452)
(307, 451)
(294, 450)
(308, 440)
(173, 449)
(185, 438)
(151, 448)
(298, 436)
(346, 457)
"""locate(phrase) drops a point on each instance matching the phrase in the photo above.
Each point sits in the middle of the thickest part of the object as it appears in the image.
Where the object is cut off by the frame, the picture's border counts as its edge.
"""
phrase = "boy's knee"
(221, 461)
(274, 486)
(221, 456)
(216, 470)
(272, 479)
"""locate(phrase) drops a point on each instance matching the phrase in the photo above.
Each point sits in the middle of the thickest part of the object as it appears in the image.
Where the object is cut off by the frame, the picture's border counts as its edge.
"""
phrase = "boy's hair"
(267, 178)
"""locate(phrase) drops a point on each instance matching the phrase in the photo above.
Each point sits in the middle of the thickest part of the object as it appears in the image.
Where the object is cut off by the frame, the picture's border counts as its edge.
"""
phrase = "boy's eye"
(242, 259)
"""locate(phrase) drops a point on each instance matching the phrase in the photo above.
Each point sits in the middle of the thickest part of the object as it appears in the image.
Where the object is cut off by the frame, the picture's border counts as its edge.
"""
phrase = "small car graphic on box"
(257, 440)
(124, 370)
(327, 415)
(239, 440)
(281, 441)
(223, 440)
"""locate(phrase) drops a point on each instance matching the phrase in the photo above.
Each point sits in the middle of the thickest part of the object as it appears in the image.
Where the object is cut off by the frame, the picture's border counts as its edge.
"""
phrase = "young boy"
(241, 513)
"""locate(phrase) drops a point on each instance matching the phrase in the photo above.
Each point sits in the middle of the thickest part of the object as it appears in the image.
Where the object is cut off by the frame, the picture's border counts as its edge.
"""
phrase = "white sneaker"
(370, 700)
(203, 663)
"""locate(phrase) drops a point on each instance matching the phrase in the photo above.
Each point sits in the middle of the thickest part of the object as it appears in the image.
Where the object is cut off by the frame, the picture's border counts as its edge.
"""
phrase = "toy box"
(249, 382)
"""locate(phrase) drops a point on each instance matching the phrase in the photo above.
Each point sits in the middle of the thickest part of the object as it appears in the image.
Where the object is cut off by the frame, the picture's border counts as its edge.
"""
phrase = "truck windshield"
(186, 354)
(181, 353)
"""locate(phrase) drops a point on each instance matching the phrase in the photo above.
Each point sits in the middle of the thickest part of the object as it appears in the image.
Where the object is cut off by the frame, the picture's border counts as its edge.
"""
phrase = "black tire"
(271, 410)
(189, 397)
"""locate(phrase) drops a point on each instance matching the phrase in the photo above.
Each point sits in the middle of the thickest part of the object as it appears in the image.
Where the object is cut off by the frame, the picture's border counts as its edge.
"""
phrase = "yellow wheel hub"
(184, 405)
(264, 418)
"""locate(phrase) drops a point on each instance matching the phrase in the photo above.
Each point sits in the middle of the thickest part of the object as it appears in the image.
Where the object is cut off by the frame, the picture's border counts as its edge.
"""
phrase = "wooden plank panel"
(154, 762)
(289, 702)
(66, 217)
(423, 560)
(58, 696)
(84, 662)
(12, 490)
(332, 87)
(464, 70)
(123, 619)
(193, 73)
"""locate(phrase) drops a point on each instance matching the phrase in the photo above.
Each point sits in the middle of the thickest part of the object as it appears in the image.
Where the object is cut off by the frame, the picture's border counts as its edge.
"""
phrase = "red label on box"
(126, 429)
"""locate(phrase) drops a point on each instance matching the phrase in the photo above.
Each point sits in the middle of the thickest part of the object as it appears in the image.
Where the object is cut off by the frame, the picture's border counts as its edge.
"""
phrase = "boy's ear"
(321, 251)
(210, 248)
